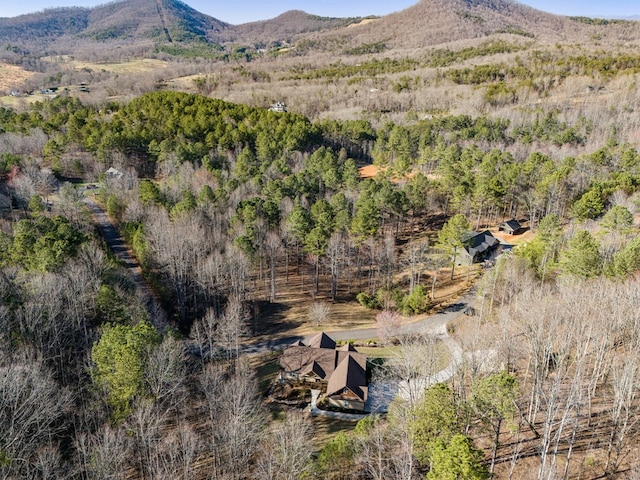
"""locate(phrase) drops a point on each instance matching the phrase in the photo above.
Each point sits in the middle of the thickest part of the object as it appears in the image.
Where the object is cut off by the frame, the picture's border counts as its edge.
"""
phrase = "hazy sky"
(240, 11)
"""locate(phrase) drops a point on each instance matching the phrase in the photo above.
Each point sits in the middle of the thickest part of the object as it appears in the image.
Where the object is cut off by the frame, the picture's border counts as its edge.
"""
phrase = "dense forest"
(154, 355)
(221, 203)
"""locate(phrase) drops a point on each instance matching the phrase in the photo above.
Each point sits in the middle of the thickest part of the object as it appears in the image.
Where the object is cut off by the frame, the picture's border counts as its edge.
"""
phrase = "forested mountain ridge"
(289, 26)
(451, 20)
(160, 21)
(426, 23)
(131, 20)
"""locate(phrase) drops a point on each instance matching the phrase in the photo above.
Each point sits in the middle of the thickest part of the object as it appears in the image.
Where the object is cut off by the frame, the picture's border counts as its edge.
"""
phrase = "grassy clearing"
(141, 65)
(266, 367)
(15, 102)
(380, 352)
(11, 76)
(440, 353)
(325, 428)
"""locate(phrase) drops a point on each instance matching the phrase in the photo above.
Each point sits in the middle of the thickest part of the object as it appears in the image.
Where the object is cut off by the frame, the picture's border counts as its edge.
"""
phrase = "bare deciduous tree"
(319, 312)
(236, 420)
(165, 372)
(272, 247)
(414, 366)
(287, 451)
(178, 247)
(105, 453)
(33, 415)
(387, 325)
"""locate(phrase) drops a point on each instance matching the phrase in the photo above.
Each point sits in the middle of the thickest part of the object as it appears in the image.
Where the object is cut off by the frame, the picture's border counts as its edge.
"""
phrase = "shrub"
(368, 301)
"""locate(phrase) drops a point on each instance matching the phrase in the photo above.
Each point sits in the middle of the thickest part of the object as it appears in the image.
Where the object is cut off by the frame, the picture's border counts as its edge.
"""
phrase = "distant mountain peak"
(119, 20)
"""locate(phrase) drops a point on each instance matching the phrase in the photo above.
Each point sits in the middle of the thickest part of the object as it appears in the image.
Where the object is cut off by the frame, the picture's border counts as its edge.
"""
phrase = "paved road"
(425, 324)
(381, 393)
(116, 244)
(111, 236)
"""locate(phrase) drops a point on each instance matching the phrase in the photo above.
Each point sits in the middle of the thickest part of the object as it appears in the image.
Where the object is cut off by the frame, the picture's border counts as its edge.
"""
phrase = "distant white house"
(113, 173)
(278, 107)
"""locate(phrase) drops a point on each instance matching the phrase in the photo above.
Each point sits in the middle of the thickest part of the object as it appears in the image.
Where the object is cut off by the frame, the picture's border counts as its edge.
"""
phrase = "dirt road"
(116, 244)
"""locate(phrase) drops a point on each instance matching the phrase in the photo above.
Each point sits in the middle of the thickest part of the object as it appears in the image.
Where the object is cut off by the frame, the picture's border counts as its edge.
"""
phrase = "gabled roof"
(479, 242)
(298, 343)
(361, 358)
(350, 375)
(347, 347)
(322, 340)
(512, 224)
(315, 368)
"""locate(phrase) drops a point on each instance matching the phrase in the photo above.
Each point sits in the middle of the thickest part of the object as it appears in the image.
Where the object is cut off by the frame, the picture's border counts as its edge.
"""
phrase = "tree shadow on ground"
(270, 318)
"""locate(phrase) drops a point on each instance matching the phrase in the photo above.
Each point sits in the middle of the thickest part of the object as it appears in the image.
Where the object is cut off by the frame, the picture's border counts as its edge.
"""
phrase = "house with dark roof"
(511, 227)
(478, 246)
(347, 386)
(340, 371)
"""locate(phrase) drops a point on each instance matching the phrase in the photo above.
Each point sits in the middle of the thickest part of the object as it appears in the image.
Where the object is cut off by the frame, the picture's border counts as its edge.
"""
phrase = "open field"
(9, 101)
(136, 65)
(12, 76)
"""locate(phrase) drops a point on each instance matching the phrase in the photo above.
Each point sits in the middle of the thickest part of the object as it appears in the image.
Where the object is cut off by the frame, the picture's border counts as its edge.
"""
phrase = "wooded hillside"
(244, 228)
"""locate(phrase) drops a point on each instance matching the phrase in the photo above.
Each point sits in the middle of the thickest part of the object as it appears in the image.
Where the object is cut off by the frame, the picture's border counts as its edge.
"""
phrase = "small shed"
(510, 227)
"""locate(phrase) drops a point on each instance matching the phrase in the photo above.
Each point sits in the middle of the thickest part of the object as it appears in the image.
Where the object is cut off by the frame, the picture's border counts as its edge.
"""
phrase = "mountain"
(435, 22)
(166, 21)
(49, 24)
(124, 21)
(289, 26)
(429, 22)
(170, 20)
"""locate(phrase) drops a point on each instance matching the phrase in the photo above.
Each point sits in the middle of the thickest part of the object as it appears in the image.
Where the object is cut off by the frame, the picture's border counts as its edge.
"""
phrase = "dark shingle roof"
(512, 225)
(479, 242)
(343, 367)
(347, 347)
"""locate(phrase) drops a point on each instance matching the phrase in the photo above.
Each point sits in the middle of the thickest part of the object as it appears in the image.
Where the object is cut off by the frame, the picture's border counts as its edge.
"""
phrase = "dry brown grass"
(289, 315)
(135, 66)
(12, 76)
